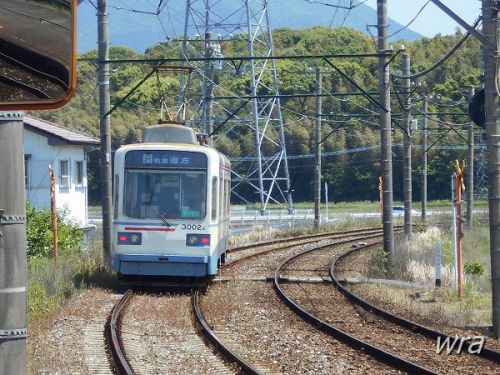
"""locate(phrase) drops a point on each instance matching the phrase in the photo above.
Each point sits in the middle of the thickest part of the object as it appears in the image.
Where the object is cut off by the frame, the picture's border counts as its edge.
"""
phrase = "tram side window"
(214, 198)
(115, 199)
(228, 196)
(221, 198)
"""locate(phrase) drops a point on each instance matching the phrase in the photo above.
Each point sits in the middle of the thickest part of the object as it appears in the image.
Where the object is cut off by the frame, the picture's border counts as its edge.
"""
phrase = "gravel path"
(249, 316)
(71, 342)
(390, 299)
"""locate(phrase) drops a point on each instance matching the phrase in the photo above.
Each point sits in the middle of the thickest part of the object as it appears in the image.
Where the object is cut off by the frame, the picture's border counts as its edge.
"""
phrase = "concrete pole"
(492, 111)
(424, 160)
(407, 188)
(385, 129)
(469, 190)
(208, 79)
(105, 127)
(317, 172)
(13, 262)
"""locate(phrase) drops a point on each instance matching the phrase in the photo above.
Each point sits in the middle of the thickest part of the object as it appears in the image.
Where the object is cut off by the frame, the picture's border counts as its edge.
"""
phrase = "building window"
(27, 171)
(79, 172)
(64, 173)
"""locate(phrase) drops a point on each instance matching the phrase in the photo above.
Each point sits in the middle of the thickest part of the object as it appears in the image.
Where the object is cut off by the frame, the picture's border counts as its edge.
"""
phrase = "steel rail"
(114, 341)
(305, 237)
(487, 353)
(32, 69)
(379, 354)
(302, 240)
(24, 86)
(212, 337)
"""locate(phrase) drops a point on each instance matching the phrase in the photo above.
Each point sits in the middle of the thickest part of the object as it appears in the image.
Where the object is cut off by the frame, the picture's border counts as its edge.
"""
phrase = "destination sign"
(165, 159)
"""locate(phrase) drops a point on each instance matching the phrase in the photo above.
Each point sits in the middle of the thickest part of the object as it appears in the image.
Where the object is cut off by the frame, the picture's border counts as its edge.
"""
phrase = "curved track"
(116, 347)
(228, 353)
(487, 353)
(112, 335)
(20, 79)
(234, 356)
(380, 354)
(286, 245)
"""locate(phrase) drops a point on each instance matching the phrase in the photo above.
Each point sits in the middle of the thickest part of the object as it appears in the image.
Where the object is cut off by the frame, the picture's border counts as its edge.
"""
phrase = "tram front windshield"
(153, 194)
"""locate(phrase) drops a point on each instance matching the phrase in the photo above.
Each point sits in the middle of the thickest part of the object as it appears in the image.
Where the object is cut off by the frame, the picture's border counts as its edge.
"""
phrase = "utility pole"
(13, 262)
(491, 106)
(459, 186)
(208, 88)
(469, 190)
(424, 160)
(407, 191)
(385, 128)
(104, 123)
(317, 172)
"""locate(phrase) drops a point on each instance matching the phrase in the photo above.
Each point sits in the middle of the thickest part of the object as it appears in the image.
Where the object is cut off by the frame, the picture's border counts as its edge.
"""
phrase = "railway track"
(21, 79)
(486, 352)
(119, 348)
(138, 348)
(113, 338)
(284, 330)
(246, 271)
(324, 326)
(409, 346)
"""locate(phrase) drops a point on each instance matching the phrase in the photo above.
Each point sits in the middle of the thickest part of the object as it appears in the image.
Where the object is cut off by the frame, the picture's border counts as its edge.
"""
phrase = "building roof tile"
(68, 136)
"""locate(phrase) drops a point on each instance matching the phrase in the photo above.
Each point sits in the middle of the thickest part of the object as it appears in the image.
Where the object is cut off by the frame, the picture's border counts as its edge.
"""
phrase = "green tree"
(39, 237)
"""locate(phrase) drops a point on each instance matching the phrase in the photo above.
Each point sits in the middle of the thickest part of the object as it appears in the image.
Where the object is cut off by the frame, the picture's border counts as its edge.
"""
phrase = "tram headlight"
(195, 239)
(129, 238)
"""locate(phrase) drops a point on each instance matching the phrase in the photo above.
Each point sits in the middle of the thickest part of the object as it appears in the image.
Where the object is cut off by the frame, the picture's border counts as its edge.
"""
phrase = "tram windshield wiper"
(165, 220)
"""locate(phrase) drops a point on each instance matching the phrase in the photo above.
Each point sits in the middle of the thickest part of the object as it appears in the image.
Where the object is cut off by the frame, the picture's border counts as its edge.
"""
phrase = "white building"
(45, 144)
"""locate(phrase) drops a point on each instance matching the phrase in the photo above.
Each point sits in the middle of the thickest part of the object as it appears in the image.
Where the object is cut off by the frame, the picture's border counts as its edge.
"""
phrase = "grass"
(414, 262)
(52, 283)
(359, 206)
(438, 308)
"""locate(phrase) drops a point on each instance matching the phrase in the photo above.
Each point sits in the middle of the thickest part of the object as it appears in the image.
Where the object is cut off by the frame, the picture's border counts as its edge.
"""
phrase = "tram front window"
(167, 194)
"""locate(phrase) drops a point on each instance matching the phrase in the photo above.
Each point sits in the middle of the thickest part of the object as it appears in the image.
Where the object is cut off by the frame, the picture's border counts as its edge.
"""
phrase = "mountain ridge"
(140, 30)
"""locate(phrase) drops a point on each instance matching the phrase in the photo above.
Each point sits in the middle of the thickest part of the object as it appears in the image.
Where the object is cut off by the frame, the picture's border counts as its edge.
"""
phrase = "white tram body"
(171, 205)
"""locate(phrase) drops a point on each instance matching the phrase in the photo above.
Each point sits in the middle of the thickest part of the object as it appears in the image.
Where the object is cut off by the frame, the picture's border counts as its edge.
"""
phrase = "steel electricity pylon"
(207, 27)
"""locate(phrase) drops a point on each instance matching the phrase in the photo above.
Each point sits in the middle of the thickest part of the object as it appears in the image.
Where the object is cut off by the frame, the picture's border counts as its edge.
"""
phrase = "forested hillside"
(351, 165)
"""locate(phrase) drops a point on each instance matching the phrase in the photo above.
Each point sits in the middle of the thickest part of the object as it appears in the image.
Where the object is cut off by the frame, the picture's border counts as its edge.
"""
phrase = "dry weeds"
(414, 262)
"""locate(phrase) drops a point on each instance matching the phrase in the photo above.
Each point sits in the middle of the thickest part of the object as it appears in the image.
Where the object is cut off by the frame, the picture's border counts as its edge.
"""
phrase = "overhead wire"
(442, 60)
(413, 19)
(161, 6)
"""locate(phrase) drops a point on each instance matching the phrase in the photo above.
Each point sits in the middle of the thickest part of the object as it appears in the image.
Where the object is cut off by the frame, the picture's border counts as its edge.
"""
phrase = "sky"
(432, 20)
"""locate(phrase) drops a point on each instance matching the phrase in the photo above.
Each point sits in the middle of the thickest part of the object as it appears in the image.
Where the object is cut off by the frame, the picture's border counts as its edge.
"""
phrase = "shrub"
(474, 269)
(39, 240)
(380, 264)
(39, 302)
(51, 283)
